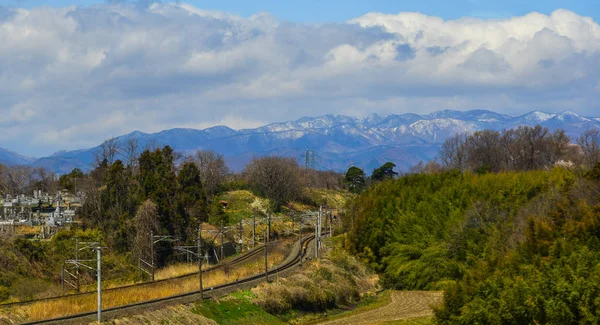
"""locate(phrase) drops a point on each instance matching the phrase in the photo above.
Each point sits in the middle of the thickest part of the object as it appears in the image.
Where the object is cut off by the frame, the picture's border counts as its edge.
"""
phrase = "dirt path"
(404, 305)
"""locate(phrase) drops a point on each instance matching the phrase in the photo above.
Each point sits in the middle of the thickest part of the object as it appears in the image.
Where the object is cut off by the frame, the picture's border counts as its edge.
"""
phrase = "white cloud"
(71, 77)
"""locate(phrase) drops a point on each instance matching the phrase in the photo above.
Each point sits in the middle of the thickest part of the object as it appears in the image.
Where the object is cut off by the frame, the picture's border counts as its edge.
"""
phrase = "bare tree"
(431, 167)
(4, 188)
(107, 151)
(16, 179)
(46, 180)
(589, 142)
(151, 145)
(212, 170)
(528, 148)
(533, 144)
(92, 198)
(560, 148)
(276, 178)
(131, 151)
(453, 154)
(328, 179)
(524, 148)
(484, 150)
(146, 221)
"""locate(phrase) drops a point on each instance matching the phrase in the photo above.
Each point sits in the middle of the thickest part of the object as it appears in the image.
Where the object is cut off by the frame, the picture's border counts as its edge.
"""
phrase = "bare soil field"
(403, 305)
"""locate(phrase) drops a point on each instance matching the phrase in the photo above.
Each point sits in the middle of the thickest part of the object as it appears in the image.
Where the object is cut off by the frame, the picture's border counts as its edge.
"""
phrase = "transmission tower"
(313, 159)
(309, 159)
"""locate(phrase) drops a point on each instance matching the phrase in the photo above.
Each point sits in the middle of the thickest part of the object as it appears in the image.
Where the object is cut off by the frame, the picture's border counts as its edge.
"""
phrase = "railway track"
(257, 251)
(288, 264)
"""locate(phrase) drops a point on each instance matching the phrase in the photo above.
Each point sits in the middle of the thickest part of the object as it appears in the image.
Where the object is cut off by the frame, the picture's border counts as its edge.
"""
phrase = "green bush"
(4, 293)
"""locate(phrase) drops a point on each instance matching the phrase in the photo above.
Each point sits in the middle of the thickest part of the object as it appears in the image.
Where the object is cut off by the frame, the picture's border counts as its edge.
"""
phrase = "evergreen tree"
(355, 179)
(191, 198)
(158, 183)
(384, 172)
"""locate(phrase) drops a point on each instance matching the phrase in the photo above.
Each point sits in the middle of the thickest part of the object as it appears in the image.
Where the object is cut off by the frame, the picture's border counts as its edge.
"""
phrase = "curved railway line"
(292, 260)
(257, 251)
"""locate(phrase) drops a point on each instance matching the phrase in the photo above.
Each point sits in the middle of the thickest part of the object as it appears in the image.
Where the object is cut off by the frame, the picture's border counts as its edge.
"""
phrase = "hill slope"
(10, 158)
(508, 248)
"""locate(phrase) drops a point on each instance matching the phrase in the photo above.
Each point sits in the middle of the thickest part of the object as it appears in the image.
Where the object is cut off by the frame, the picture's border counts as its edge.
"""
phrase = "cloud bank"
(71, 77)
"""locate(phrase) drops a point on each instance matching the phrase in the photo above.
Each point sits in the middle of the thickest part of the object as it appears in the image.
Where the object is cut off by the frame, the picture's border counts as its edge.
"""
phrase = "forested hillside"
(513, 247)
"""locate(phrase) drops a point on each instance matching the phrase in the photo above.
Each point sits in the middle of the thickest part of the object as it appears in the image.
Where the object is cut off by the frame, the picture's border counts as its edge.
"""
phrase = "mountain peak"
(8, 157)
(338, 139)
(536, 117)
(571, 117)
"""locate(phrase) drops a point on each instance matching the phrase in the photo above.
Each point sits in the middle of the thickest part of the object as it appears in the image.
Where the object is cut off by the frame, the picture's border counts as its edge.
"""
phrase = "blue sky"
(78, 75)
(342, 10)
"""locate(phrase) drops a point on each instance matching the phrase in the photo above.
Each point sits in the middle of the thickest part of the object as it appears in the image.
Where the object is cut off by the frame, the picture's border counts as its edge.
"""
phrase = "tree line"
(521, 149)
(505, 222)
(524, 148)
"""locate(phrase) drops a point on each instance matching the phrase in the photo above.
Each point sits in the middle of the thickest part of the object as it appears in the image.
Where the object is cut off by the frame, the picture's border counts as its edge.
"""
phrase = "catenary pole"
(77, 259)
(266, 258)
(99, 257)
(253, 231)
(222, 243)
(152, 253)
(200, 260)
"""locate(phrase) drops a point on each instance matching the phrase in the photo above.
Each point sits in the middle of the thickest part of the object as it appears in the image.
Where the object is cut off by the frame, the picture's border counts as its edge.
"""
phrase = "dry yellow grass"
(28, 230)
(86, 303)
(175, 270)
(176, 315)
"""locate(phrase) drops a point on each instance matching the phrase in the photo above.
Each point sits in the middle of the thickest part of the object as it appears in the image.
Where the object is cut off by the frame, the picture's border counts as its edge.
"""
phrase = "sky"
(73, 73)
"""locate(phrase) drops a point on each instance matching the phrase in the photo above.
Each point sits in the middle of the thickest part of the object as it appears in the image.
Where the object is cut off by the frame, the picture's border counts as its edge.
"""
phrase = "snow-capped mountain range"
(338, 141)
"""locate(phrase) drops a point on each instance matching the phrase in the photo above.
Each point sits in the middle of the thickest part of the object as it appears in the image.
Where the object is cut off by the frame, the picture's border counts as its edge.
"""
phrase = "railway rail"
(257, 251)
(287, 265)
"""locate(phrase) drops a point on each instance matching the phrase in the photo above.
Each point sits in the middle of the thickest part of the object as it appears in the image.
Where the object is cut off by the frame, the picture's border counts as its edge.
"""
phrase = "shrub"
(4, 293)
(337, 279)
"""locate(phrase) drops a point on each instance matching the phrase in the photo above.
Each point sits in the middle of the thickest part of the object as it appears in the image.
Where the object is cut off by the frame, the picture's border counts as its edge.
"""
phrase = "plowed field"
(403, 305)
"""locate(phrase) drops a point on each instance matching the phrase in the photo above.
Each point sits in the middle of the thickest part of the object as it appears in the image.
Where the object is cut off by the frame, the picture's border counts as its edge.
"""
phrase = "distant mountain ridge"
(11, 158)
(338, 141)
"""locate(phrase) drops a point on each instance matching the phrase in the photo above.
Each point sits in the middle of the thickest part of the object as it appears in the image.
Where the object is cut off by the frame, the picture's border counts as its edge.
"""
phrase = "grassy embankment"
(73, 305)
(244, 204)
(337, 281)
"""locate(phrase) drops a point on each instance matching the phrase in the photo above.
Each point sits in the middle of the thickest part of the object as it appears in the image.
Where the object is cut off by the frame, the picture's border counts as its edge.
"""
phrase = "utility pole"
(319, 226)
(326, 220)
(153, 240)
(316, 236)
(72, 279)
(93, 246)
(300, 240)
(152, 253)
(222, 241)
(77, 258)
(253, 231)
(330, 223)
(268, 238)
(266, 257)
(99, 265)
(241, 233)
(200, 260)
